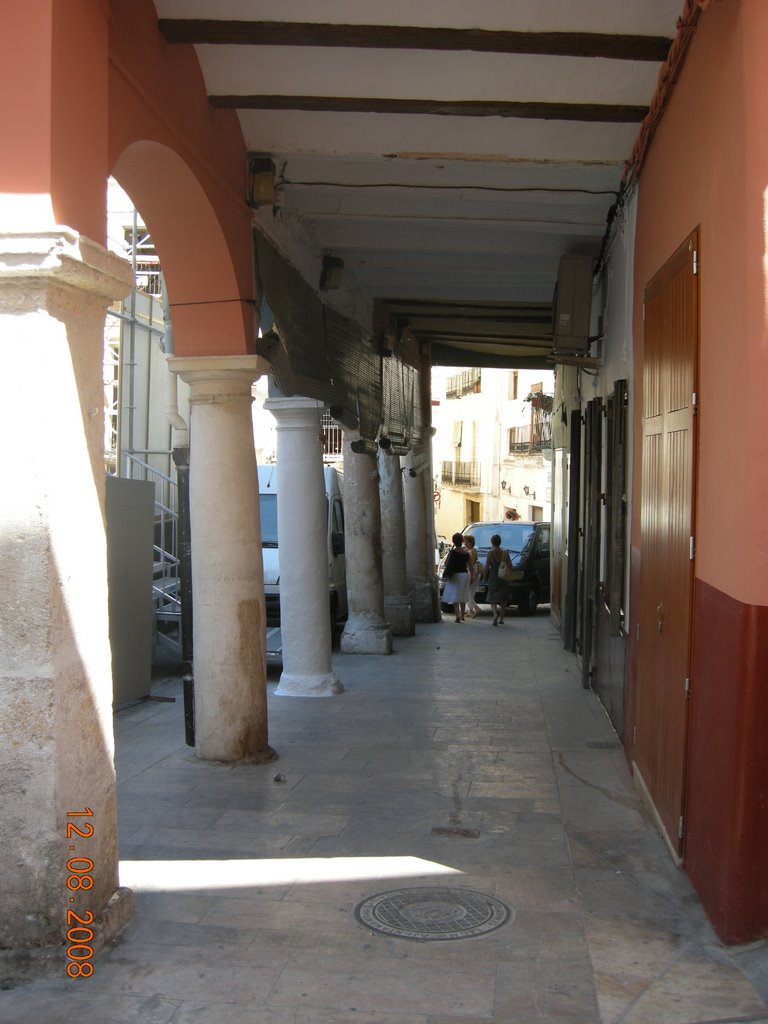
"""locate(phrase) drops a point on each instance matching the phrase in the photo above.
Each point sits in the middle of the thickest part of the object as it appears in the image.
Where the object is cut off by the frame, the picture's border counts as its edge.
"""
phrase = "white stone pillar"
(302, 529)
(56, 735)
(229, 619)
(419, 537)
(366, 630)
(398, 610)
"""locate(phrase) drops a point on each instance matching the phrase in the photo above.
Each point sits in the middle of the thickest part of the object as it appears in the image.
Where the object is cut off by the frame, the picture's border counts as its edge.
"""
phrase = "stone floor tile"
(219, 1012)
(559, 991)
(693, 988)
(196, 980)
(399, 985)
(77, 1001)
(586, 808)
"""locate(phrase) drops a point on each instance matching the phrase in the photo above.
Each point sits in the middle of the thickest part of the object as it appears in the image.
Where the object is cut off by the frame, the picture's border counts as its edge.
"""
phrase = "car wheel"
(529, 600)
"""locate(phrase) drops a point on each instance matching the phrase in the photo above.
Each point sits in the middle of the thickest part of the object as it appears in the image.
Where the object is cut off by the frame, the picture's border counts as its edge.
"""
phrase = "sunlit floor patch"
(191, 875)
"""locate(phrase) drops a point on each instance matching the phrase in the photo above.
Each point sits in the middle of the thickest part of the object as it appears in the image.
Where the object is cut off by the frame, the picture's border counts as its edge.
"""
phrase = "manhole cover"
(433, 914)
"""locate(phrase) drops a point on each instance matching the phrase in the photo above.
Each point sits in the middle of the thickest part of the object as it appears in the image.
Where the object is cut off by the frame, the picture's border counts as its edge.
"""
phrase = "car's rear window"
(513, 535)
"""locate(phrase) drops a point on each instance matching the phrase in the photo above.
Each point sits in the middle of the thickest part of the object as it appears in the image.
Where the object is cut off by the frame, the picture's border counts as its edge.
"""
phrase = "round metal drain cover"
(429, 915)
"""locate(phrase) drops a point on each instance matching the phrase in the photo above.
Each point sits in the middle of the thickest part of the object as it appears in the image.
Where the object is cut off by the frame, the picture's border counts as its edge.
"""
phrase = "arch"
(210, 315)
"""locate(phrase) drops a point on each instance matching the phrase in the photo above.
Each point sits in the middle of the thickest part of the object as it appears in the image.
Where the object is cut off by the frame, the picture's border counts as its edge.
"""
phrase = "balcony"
(533, 437)
(460, 474)
(466, 383)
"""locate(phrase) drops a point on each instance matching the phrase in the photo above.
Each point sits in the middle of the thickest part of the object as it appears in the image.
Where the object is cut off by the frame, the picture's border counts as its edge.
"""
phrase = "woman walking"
(498, 587)
(456, 576)
(475, 571)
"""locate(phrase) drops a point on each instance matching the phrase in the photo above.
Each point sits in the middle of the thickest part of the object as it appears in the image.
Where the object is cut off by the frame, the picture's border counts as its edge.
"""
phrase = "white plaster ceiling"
(429, 206)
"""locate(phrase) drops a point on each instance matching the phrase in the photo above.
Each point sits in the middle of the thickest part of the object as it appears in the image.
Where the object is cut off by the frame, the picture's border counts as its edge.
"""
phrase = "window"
(519, 439)
(268, 516)
(513, 375)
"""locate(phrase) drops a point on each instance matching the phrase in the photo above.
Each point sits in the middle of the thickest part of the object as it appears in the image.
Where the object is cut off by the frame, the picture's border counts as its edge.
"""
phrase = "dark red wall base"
(726, 814)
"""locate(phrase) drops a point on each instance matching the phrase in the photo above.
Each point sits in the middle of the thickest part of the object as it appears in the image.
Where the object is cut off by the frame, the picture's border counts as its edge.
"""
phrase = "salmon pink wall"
(183, 164)
(53, 120)
(708, 167)
(26, 164)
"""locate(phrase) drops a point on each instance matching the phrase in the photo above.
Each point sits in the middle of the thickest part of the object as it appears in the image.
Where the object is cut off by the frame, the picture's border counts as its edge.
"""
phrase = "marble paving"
(469, 758)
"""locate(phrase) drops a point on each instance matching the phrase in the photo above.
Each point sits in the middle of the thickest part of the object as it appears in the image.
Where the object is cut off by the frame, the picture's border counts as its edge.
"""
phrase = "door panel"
(666, 530)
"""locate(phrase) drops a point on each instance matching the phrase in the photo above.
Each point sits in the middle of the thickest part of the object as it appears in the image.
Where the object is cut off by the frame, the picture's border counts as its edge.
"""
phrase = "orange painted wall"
(25, 165)
(159, 116)
(708, 166)
(53, 120)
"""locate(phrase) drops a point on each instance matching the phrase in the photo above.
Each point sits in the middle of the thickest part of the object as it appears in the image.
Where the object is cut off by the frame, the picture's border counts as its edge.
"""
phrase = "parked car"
(528, 545)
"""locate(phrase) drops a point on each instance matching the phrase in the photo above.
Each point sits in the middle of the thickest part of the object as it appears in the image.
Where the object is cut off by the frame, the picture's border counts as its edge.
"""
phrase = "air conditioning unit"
(572, 305)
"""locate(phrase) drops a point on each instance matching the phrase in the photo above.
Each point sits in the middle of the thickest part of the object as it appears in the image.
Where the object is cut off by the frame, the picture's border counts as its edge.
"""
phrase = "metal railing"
(465, 383)
(165, 576)
(460, 474)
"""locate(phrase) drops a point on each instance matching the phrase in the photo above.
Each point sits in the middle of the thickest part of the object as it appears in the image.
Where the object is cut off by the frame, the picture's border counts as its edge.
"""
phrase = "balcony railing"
(466, 383)
(461, 474)
(532, 437)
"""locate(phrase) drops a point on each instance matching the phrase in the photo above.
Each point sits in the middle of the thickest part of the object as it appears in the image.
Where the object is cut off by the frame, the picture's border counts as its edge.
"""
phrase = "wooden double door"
(667, 536)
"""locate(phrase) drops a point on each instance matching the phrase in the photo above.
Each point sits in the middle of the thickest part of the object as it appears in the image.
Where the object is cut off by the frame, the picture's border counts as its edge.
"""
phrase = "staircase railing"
(165, 576)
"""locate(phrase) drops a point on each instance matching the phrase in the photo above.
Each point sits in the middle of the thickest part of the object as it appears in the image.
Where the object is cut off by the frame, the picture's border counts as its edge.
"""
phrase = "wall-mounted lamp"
(503, 485)
(529, 493)
(261, 181)
(387, 345)
(330, 275)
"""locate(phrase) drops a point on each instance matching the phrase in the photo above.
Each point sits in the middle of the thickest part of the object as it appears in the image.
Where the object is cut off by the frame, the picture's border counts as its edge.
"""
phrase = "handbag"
(448, 566)
(505, 573)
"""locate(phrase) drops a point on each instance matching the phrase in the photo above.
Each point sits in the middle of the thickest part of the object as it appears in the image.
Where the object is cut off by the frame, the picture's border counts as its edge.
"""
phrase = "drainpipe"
(183, 539)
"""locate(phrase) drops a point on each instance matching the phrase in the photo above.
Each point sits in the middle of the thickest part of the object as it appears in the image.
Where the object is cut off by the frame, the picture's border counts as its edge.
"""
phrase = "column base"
(398, 611)
(366, 635)
(425, 599)
(27, 964)
(299, 684)
(263, 756)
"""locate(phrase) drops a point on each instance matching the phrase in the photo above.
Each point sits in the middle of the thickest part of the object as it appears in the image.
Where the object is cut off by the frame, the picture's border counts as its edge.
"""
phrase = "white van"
(270, 552)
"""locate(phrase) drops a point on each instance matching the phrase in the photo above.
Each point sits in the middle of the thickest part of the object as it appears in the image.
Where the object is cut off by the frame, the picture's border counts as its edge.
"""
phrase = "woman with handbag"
(475, 571)
(498, 572)
(456, 576)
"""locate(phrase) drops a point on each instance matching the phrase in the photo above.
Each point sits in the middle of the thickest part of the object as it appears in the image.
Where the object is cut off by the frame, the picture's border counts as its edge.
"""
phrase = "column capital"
(61, 256)
(218, 378)
(296, 412)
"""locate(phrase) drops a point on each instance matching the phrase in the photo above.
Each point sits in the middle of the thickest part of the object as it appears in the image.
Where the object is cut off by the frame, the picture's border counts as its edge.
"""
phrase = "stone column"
(302, 525)
(56, 736)
(366, 631)
(419, 537)
(398, 610)
(229, 620)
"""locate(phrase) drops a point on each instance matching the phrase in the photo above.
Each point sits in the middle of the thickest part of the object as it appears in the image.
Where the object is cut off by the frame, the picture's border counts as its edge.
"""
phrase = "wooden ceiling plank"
(406, 37)
(613, 113)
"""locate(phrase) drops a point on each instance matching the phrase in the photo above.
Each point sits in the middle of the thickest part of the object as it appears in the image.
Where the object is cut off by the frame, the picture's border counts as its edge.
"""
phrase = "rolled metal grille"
(317, 352)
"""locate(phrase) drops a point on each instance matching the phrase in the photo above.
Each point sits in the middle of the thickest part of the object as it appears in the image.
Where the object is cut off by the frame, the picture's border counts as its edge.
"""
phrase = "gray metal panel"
(130, 538)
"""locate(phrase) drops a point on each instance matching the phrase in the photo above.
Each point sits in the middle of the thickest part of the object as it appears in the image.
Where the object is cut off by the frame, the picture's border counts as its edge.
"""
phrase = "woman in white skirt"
(456, 576)
(475, 571)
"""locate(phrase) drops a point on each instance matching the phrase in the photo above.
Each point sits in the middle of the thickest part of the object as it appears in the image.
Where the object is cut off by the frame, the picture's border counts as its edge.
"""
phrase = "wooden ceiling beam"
(447, 355)
(406, 37)
(595, 112)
